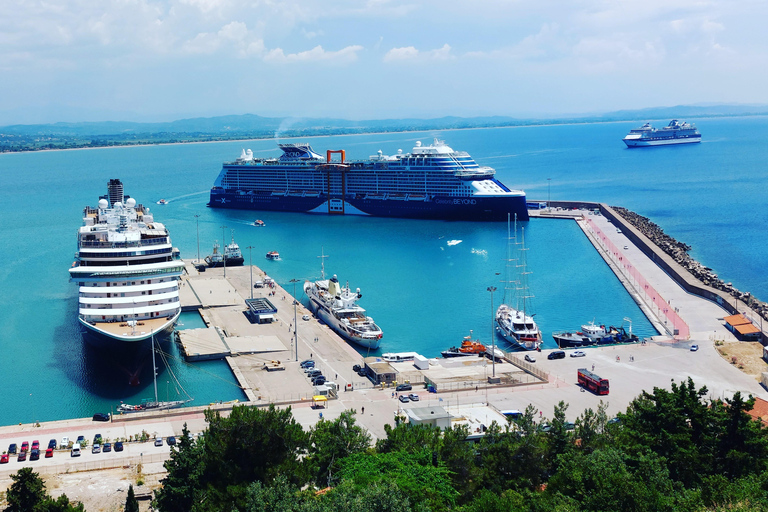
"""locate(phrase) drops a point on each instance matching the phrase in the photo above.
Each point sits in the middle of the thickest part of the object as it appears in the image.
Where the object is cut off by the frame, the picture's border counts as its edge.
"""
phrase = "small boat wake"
(177, 198)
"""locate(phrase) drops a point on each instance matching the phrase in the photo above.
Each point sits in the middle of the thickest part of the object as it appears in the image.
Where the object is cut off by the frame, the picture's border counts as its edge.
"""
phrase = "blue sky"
(157, 60)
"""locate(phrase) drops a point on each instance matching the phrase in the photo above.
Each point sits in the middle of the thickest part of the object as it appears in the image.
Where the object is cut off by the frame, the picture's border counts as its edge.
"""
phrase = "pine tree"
(131, 503)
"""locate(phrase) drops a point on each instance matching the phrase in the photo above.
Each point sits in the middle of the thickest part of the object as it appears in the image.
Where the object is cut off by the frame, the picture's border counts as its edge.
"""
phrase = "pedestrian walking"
(593, 367)
(362, 410)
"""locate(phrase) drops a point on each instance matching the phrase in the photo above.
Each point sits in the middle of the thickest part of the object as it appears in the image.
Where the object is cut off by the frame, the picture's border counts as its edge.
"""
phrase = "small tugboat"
(273, 255)
(468, 347)
(259, 223)
(231, 256)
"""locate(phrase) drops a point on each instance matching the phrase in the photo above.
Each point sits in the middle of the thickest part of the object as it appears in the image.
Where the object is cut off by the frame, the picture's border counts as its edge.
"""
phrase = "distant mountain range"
(250, 124)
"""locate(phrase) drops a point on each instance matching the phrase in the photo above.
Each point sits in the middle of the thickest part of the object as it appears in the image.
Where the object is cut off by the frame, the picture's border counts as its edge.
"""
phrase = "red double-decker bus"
(593, 382)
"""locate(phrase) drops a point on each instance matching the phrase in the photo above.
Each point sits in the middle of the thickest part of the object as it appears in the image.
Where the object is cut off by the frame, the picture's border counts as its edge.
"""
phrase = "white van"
(75, 450)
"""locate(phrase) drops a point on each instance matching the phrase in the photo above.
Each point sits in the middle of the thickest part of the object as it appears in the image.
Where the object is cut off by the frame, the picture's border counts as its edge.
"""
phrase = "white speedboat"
(336, 305)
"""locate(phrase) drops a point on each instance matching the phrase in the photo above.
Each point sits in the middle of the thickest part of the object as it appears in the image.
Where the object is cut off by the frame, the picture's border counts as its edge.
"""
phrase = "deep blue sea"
(425, 293)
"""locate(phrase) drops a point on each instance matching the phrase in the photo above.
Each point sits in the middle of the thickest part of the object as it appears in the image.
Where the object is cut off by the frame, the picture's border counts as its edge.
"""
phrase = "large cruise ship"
(674, 133)
(126, 270)
(431, 182)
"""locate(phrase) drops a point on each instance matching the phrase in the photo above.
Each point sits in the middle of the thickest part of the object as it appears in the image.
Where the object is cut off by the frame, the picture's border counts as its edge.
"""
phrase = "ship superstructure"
(431, 182)
(674, 133)
(126, 269)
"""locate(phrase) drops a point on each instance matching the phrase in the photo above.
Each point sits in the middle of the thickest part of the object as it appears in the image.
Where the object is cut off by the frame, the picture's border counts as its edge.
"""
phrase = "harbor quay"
(265, 357)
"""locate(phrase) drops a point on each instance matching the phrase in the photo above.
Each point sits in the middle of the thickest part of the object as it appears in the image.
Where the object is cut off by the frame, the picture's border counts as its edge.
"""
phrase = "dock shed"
(432, 416)
(742, 327)
(379, 371)
(260, 310)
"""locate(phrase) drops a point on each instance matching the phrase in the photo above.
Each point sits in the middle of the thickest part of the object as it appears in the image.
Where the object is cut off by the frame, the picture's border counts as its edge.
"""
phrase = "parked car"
(22, 456)
(80, 440)
(101, 416)
(305, 317)
(35, 444)
(314, 373)
(578, 353)
(34, 454)
(318, 381)
(52, 444)
(75, 452)
(49, 453)
(171, 440)
(404, 399)
(107, 447)
(64, 442)
(96, 448)
(403, 387)
(356, 368)
(530, 358)
(414, 397)
(158, 441)
(119, 446)
(4, 458)
(25, 446)
(97, 439)
(694, 348)
(307, 363)
(556, 354)
(12, 449)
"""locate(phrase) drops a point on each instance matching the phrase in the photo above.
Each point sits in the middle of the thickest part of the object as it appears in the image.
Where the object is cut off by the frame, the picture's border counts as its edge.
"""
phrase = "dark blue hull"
(443, 208)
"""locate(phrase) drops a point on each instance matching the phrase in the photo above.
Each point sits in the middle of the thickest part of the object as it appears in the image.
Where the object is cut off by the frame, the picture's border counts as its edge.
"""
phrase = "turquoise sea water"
(424, 293)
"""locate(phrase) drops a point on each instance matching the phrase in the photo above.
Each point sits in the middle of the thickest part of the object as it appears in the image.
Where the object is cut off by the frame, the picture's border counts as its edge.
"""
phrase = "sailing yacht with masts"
(157, 405)
(515, 323)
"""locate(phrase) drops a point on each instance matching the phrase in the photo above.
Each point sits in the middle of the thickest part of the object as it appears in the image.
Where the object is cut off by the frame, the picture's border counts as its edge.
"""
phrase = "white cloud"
(410, 53)
(406, 53)
(343, 56)
(205, 6)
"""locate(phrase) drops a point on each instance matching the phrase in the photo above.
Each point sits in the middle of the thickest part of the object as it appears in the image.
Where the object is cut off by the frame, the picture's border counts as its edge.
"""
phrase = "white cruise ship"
(126, 270)
(674, 133)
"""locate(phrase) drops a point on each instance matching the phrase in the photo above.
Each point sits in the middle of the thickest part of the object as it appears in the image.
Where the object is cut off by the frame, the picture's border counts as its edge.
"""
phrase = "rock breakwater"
(679, 252)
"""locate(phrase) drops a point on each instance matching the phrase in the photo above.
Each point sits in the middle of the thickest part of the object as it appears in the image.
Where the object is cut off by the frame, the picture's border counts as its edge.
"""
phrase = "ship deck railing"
(120, 245)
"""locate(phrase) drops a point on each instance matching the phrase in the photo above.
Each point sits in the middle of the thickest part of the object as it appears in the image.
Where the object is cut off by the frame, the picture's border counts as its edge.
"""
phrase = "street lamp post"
(197, 220)
(224, 250)
(493, 332)
(549, 194)
(295, 323)
(250, 263)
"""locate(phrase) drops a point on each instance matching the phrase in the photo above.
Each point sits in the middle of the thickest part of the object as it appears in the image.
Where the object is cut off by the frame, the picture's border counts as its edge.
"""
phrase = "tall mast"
(154, 368)
(507, 281)
(322, 263)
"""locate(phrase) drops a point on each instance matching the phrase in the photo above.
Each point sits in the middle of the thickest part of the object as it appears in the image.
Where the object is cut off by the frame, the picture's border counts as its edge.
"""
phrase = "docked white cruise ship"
(126, 269)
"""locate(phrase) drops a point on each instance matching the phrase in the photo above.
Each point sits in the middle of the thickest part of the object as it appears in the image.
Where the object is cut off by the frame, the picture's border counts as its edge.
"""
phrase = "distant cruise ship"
(674, 133)
(127, 271)
(431, 182)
